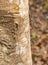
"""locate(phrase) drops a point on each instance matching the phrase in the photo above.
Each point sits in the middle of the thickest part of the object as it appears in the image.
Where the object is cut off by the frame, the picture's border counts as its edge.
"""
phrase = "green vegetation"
(33, 35)
(45, 4)
(33, 56)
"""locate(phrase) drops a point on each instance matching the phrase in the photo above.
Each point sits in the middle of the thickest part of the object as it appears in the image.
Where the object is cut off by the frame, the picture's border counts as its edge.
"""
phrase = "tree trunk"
(14, 23)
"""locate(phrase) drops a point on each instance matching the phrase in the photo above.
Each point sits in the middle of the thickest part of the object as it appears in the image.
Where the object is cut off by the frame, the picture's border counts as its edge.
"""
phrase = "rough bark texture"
(14, 33)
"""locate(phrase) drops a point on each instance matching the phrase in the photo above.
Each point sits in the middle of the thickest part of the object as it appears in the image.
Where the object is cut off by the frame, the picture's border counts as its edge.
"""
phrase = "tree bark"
(14, 23)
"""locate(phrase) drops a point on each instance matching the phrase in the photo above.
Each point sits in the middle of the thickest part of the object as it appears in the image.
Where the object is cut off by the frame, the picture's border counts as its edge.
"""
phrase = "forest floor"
(39, 31)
